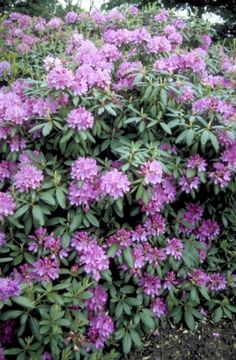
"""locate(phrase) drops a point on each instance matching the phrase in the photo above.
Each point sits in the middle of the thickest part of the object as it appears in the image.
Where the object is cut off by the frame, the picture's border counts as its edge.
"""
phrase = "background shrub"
(117, 190)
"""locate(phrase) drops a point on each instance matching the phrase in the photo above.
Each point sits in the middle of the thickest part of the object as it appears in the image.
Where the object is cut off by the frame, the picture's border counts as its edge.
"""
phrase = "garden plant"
(117, 181)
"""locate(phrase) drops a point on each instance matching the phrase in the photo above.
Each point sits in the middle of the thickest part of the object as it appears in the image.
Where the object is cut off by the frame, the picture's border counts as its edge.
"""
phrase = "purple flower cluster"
(151, 285)
(152, 171)
(80, 119)
(91, 255)
(114, 184)
(8, 288)
(28, 177)
(7, 205)
(100, 329)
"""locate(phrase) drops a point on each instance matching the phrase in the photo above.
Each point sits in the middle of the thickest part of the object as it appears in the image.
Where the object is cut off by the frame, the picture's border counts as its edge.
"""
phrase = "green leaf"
(190, 137)
(165, 128)
(164, 96)
(214, 142)
(126, 343)
(47, 198)
(148, 321)
(11, 314)
(47, 128)
(61, 198)
(204, 293)
(92, 219)
(204, 138)
(113, 250)
(189, 319)
(218, 314)
(38, 215)
(23, 301)
(128, 258)
(136, 338)
(21, 211)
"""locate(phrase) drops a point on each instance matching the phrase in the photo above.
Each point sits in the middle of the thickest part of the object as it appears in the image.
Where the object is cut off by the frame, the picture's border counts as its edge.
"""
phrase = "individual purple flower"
(100, 329)
(187, 184)
(162, 16)
(196, 162)
(190, 218)
(2, 356)
(159, 308)
(155, 225)
(199, 277)
(2, 238)
(84, 169)
(122, 238)
(55, 23)
(153, 255)
(27, 178)
(152, 170)
(170, 280)
(151, 285)
(217, 282)
(46, 269)
(220, 175)
(46, 356)
(71, 17)
(7, 205)
(91, 255)
(97, 301)
(60, 78)
(138, 256)
(5, 68)
(94, 261)
(174, 248)
(85, 193)
(8, 287)
(139, 234)
(80, 119)
(114, 184)
(7, 331)
(207, 231)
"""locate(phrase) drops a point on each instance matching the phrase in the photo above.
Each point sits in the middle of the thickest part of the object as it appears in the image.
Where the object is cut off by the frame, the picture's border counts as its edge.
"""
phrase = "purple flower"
(152, 171)
(85, 193)
(5, 68)
(80, 119)
(175, 248)
(60, 78)
(188, 184)
(2, 238)
(100, 329)
(91, 255)
(8, 287)
(151, 285)
(199, 277)
(139, 234)
(208, 230)
(197, 162)
(97, 301)
(155, 225)
(221, 175)
(2, 356)
(71, 17)
(122, 238)
(114, 184)
(45, 269)
(46, 356)
(7, 205)
(138, 256)
(217, 282)
(55, 23)
(84, 169)
(170, 280)
(159, 308)
(27, 178)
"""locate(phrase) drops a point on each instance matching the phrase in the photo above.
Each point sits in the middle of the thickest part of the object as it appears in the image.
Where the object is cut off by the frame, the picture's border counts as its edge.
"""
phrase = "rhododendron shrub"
(117, 181)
